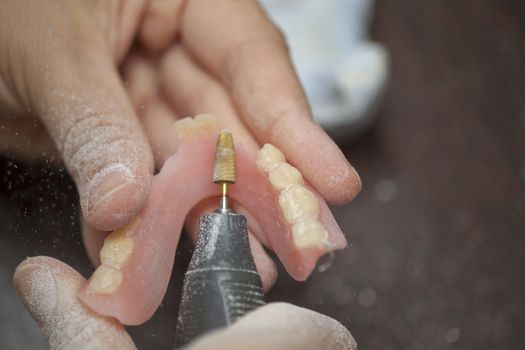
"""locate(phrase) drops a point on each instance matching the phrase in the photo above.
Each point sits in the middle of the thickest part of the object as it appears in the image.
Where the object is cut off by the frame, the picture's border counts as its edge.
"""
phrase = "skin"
(98, 84)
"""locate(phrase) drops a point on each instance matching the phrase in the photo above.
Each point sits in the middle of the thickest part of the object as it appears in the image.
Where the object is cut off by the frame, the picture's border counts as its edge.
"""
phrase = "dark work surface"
(438, 236)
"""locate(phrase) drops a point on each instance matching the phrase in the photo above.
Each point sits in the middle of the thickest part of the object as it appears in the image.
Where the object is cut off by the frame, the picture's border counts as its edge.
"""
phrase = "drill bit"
(224, 166)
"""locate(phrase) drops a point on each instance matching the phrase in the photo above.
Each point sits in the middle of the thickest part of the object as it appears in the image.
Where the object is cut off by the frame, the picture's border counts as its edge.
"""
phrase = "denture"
(286, 214)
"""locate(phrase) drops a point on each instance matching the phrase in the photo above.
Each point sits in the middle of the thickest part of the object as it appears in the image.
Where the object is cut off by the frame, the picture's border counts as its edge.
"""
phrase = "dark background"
(438, 236)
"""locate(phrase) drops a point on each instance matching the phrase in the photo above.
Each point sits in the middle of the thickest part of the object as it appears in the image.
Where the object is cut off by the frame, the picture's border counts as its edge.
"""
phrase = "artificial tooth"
(185, 126)
(269, 156)
(308, 232)
(105, 280)
(297, 202)
(205, 123)
(283, 175)
(117, 247)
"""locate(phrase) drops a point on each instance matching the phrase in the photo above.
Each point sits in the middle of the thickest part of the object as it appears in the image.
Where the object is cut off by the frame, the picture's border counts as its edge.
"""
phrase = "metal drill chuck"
(222, 283)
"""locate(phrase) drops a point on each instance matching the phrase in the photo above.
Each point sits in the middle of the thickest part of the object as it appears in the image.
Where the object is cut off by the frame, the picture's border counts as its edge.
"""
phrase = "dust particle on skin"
(41, 296)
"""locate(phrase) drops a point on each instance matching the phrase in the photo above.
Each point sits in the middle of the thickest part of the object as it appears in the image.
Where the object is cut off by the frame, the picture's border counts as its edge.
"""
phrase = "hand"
(48, 289)
(60, 62)
(107, 79)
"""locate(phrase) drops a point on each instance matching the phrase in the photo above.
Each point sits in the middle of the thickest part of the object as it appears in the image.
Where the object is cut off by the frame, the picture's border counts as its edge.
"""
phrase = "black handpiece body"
(222, 283)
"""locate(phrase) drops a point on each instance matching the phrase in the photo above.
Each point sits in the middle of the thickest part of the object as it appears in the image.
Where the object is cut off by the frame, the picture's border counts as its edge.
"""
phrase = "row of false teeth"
(298, 204)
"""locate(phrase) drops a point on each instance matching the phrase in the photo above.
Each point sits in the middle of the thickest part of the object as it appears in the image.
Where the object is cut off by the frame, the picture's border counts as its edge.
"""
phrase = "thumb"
(85, 108)
(279, 326)
(60, 64)
(48, 289)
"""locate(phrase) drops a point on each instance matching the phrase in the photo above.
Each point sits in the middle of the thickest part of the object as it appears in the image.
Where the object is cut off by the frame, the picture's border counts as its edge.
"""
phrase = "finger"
(280, 326)
(238, 43)
(48, 288)
(160, 24)
(71, 82)
(155, 114)
(93, 241)
(86, 110)
(73, 85)
(158, 119)
(129, 15)
(193, 91)
(264, 264)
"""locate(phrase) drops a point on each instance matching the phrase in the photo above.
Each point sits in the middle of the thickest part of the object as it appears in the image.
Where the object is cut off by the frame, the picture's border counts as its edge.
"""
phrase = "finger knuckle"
(90, 140)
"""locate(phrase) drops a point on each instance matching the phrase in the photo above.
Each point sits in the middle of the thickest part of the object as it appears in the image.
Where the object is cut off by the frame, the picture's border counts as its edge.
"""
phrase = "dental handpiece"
(221, 283)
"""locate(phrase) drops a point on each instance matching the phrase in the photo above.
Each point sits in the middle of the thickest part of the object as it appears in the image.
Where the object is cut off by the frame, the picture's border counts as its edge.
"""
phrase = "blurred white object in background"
(342, 71)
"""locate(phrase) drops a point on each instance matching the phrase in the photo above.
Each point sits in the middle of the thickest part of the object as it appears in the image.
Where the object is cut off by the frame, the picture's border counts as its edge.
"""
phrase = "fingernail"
(107, 182)
(37, 288)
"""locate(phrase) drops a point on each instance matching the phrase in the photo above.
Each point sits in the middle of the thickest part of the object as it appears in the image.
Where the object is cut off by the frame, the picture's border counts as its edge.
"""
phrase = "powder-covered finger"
(280, 326)
(72, 84)
(87, 112)
(48, 289)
